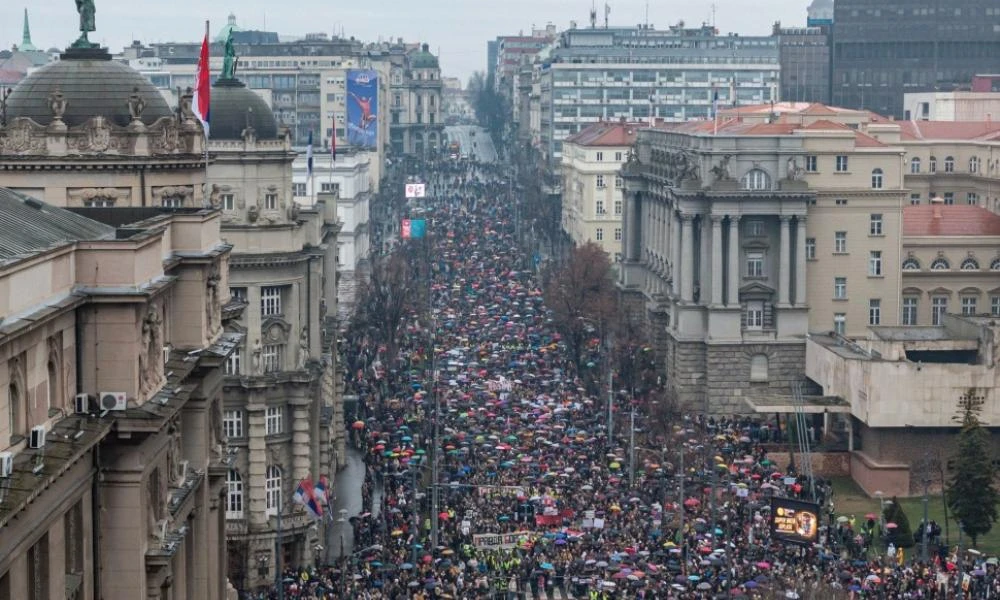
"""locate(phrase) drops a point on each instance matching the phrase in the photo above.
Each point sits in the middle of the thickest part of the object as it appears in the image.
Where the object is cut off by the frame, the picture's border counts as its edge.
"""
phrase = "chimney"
(937, 202)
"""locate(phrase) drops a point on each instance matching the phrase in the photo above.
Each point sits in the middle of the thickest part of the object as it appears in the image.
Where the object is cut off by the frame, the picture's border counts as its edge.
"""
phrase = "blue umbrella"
(547, 566)
(405, 566)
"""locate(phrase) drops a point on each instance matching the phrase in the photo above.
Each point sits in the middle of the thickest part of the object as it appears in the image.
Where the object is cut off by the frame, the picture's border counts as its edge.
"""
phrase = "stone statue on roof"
(86, 10)
(229, 59)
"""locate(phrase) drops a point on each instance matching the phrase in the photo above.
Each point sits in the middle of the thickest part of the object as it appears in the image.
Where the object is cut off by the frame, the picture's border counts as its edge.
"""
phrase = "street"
(473, 140)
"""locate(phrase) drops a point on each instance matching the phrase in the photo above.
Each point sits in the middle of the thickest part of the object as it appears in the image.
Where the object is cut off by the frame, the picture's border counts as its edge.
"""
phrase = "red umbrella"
(358, 425)
(691, 502)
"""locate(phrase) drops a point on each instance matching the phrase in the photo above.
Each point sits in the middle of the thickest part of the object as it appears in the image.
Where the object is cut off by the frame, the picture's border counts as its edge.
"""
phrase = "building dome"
(234, 107)
(92, 84)
(423, 59)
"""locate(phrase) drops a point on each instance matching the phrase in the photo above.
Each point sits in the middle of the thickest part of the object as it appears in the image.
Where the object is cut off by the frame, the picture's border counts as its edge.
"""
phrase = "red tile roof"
(607, 133)
(954, 220)
(863, 140)
(949, 130)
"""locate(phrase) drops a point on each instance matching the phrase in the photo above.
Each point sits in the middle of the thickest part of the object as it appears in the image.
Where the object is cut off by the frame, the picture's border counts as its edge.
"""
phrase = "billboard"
(412, 228)
(416, 190)
(794, 521)
(362, 108)
(500, 541)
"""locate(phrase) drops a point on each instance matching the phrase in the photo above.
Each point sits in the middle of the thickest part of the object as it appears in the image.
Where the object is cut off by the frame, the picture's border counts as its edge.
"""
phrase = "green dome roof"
(423, 59)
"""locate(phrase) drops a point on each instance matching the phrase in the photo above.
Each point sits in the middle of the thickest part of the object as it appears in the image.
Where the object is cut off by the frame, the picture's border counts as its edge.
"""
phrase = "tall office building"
(805, 63)
(882, 49)
(638, 73)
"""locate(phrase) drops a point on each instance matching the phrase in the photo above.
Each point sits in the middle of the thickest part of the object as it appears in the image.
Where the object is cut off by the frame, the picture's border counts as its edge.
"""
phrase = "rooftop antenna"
(607, 12)
(713, 15)
(646, 23)
(593, 15)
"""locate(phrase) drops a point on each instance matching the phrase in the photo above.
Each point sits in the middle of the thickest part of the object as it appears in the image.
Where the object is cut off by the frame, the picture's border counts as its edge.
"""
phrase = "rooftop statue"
(86, 10)
(229, 59)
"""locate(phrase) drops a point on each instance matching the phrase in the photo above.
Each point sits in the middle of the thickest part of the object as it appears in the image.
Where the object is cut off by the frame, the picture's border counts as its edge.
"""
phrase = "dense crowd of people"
(530, 497)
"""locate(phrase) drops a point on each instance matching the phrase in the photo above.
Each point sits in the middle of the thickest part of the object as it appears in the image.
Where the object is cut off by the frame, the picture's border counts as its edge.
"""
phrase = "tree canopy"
(972, 493)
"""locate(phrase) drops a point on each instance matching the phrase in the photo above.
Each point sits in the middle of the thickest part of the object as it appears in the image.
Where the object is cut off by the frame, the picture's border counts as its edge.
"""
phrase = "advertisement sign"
(416, 190)
(417, 228)
(499, 541)
(405, 229)
(794, 521)
(500, 490)
(362, 108)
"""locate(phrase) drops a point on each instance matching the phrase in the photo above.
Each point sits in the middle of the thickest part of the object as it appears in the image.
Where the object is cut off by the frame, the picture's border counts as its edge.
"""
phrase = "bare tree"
(384, 303)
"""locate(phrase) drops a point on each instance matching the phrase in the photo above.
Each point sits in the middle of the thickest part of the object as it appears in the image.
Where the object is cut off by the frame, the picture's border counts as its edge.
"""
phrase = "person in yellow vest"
(900, 558)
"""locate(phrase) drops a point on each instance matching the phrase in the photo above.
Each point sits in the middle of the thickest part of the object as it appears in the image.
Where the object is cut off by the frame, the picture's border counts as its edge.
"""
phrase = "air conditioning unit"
(81, 404)
(166, 354)
(37, 437)
(6, 464)
(113, 400)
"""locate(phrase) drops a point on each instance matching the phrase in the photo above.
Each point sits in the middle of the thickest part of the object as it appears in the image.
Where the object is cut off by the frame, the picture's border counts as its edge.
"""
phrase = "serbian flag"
(305, 495)
(333, 140)
(320, 489)
(309, 155)
(203, 86)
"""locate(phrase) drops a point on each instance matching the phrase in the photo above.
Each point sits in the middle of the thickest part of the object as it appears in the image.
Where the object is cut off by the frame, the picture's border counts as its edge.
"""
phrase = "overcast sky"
(457, 29)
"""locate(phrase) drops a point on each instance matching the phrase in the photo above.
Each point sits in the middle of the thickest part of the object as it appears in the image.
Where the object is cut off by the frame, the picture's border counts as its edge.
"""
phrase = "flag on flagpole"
(309, 155)
(333, 140)
(202, 101)
(320, 489)
(305, 495)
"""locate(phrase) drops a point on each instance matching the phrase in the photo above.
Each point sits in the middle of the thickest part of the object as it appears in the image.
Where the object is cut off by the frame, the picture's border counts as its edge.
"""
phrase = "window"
(811, 164)
(972, 198)
(949, 164)
(841, 163)
(914, 165)
(995, 306)
(811, 248)
(939, 306)
(270, 202)
(38, 569)
(330, 188)
(969, 305)
(234, 361)
(599, 207)
(228, 201)
(875, 224)
(618, 207)
(755, 228)
(600, 182)
(599, 234)
(949, 198)
(238, 294)
(99, 203)
(940, 264)
(914, 199)
(840, 323)
(272, 491)
(970, 264)
(298, 189)
(758, 367)
(841, 201)
(755, 315)
(974, 164)
(234, 495)
(270, 300)
(932, 164)
(909, 311)
(911, 264)
(756, 180)
(232, 423)
(995, 264)
(876, 179)
(273, 420)
(172, 202)
(272, 357)
(600, 156)
(840, 288)
(618, 157)
(840, 242)
(619, 183)
(875, 263)
(15, 409)
(755, 264)
(874, 311)
(618, 234)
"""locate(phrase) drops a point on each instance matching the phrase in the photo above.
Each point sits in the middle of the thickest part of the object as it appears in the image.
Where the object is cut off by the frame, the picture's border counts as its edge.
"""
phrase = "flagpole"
(205, 130)
(333, 149)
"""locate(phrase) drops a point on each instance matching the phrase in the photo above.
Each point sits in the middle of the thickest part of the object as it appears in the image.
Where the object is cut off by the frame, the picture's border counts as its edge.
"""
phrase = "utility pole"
(631, 447)
(611, 399)
(416, 517)
(680, 504)
(278, 552)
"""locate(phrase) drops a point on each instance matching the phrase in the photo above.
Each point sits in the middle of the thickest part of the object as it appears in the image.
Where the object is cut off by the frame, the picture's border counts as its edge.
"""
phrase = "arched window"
(272, 490)
(940, 264)
(949, 164)
(995, 265)
(974, 164)
(758, 367)
(915, 165)
(234, 495)
(970, 264)
(911, 264)
(932, 164)
(756, 180)
(876, 179)
(14, 406)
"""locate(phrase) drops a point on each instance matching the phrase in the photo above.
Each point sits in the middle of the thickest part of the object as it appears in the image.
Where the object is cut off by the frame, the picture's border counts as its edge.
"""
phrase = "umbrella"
(358, 425)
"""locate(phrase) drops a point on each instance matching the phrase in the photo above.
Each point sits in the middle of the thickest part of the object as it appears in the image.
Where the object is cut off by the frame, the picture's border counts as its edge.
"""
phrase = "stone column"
(704, 261)
(253, 481)
(716, 260)
(300, 442)
(631, 233)
(687, 258)
(784, 256)
(675, 254)
(800, 261)
(734, 261)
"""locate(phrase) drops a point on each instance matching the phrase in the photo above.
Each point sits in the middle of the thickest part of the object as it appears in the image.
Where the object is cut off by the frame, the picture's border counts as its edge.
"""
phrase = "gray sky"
(458, 29)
